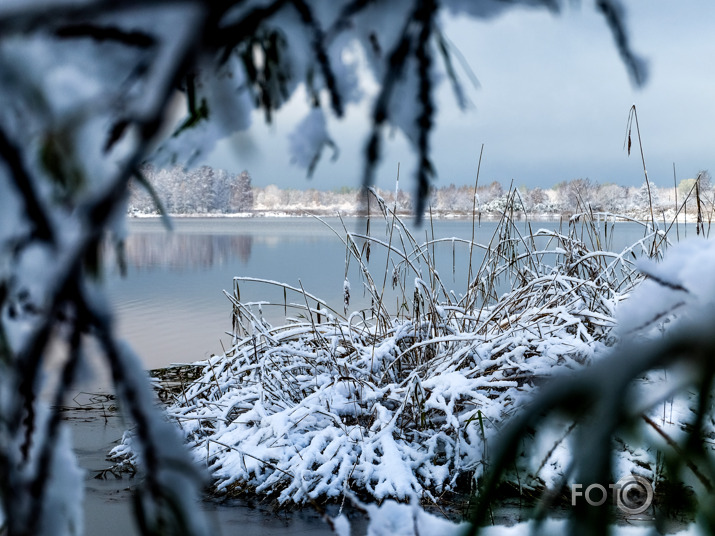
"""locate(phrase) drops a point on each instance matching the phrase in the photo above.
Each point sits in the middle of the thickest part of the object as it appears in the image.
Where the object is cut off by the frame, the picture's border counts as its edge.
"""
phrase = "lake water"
(108, 504)
(171, 305)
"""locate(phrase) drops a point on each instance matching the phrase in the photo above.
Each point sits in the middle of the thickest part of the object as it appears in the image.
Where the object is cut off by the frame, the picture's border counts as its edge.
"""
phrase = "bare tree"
(577, 194)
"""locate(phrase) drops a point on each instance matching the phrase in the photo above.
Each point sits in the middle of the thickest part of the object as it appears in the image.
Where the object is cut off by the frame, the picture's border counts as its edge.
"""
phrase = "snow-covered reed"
(401, 405)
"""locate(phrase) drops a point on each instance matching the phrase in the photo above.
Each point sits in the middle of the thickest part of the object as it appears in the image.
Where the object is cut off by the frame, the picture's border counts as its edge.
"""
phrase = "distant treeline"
(206, 190)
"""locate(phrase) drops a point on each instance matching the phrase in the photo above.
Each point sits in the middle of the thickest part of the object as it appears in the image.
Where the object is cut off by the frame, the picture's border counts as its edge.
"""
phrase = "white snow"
(681, 284)
(397, 519)
(309, 411)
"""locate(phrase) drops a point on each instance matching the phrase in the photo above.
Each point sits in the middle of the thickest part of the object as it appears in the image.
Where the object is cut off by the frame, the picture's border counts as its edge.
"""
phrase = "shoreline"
(108, 500)
(664, 220)
(96, 425)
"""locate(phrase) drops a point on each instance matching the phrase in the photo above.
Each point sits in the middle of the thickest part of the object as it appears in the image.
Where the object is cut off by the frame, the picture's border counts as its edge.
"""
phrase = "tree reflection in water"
(178, 252)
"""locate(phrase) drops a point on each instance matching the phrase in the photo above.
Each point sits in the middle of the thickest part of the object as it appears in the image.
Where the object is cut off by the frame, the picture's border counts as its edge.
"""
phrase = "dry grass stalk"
(310, 409)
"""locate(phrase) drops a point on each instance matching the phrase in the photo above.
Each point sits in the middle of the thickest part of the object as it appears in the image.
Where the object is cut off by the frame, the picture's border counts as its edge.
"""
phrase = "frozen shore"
(96, 426)
(664, 219)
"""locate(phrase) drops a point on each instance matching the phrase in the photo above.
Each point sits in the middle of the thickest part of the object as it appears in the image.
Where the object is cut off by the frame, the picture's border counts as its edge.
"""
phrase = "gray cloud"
(553, 106)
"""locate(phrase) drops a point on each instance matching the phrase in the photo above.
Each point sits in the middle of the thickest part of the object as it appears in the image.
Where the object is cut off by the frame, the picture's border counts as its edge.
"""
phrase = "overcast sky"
(552, 105)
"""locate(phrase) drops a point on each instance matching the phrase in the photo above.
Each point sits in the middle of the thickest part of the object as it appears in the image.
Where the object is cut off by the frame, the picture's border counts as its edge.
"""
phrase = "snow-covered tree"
(221, 190)
(201, 190)
(646, 196)
(537, 196)
(611, 198)
(200, 187)
(687, 190)
(577, 194)
(241, 193)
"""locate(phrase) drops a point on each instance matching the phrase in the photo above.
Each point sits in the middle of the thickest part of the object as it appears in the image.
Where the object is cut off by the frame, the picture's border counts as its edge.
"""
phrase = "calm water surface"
(171, 305)
(108, 504)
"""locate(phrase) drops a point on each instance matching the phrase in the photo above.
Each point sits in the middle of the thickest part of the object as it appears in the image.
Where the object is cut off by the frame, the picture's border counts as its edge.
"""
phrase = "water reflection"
(178, 252)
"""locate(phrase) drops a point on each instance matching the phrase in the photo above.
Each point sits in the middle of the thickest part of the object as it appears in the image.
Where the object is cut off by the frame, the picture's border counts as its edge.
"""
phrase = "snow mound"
(403, 406)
